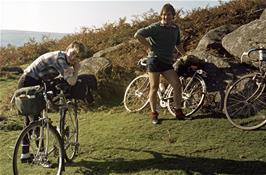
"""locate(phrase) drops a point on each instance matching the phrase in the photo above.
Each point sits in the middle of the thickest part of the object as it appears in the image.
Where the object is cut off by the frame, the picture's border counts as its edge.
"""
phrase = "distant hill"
(18, 38)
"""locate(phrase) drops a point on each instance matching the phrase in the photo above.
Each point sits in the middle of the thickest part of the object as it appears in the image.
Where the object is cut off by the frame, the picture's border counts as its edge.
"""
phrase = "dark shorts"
(26, 81)
(154, 65)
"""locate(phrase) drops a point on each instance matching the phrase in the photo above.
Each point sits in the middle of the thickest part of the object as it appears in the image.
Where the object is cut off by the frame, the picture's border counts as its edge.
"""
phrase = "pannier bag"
(80, 91)
(83, 87)
(29, 100)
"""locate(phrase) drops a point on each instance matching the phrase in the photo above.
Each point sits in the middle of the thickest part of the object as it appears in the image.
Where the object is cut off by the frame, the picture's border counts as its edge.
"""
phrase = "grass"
(115, 142)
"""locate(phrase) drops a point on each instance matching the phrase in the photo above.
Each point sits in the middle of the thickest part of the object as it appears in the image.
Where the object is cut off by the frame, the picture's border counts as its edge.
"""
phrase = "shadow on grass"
(165, 162)
(198, 117)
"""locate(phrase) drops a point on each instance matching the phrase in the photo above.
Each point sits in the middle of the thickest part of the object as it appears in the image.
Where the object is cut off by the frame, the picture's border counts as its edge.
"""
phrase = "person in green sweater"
(161, 39)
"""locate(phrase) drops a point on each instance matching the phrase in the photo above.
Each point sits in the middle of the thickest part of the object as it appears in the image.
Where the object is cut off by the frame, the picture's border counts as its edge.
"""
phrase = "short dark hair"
(168, 7)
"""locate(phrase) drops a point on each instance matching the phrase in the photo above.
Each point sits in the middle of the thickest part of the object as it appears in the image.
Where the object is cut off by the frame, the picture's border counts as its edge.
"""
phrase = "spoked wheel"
(70, 132)
(42, 150)
(245, 102)
(137, 94)
(194, 92)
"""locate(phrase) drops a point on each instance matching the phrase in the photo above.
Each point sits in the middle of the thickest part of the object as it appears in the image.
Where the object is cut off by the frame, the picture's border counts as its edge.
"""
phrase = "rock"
(102, 53)
(12, 69)
(221, 71)
(213, 38)
(101, 67)
(2, 118)
(245, 37)
(263, 15)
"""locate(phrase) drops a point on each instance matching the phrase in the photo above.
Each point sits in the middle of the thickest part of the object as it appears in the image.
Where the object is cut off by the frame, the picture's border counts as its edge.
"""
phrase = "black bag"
(183, 66)
(80, 91)
(29, 100)
(83, 87)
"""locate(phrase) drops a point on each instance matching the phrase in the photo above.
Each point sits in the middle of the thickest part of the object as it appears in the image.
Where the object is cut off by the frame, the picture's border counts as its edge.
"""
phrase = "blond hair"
(79, 48)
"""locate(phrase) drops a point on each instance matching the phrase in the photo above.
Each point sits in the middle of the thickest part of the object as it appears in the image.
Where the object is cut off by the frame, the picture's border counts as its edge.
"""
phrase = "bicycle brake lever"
(243, 54)
(201, 72)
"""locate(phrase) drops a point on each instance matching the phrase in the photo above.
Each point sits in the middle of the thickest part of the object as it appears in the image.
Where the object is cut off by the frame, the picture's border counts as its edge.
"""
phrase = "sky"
(70, 16)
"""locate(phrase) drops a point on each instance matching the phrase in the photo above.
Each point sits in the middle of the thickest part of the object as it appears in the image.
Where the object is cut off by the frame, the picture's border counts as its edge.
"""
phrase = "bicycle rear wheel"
(45, 150)
(245, 102)
(193, 94)
(70, 131)
(136, 96)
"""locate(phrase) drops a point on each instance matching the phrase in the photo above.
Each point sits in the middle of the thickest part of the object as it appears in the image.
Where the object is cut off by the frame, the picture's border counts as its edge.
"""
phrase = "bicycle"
(49, 144)
(245, 99)
(136, 96)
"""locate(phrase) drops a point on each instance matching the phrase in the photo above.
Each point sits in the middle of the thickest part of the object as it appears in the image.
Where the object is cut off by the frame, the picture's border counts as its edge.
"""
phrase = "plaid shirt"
(49, 66)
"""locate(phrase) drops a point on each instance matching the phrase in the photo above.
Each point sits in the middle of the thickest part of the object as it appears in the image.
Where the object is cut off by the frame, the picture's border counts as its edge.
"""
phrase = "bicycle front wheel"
(193, 95)
(136, 96)
(38, 150)
(70, 131)
(245, 102)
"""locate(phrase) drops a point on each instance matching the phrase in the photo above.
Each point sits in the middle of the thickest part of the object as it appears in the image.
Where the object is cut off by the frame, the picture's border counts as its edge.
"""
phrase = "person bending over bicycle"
(163, 38)
(47, 67)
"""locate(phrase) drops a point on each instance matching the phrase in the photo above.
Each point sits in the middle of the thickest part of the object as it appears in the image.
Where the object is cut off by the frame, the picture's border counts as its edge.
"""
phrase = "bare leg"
(173, 79)
(154, 78)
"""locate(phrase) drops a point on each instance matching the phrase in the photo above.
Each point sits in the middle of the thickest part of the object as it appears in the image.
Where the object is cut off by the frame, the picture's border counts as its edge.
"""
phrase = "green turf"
(113, 141)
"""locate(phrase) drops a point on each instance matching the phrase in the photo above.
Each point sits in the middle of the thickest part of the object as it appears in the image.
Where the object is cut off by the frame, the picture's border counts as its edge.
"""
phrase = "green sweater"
(163, 40)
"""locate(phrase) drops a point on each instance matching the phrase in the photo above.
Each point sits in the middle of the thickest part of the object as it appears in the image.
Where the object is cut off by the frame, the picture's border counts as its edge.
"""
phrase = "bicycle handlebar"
(250, 51)
(142, 62)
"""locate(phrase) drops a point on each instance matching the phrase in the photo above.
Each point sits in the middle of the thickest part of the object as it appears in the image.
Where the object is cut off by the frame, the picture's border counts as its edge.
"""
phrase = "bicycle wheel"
(44, 147)
(136, 96)
(70, 131)
(245, 102)
(193, 94)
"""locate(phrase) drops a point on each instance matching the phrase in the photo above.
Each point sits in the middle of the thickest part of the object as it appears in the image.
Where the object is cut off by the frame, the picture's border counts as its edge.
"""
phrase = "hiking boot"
(27, 158)
(154, 117)
(179, 115)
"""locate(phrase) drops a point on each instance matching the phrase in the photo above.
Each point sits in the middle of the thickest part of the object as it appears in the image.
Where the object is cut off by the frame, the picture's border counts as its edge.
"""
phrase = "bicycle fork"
(259, 90)
(65, 131)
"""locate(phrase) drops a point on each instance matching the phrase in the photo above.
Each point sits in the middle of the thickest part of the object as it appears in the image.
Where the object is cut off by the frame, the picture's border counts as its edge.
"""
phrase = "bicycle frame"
(47, 122)
(164, 96)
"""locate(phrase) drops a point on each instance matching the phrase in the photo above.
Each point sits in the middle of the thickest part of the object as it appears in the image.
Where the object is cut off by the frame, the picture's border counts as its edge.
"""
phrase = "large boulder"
(245, 37)
(213, 38)
(263, 15)
(103, 52)
(221, 67)
(101, 67)
(11, 69)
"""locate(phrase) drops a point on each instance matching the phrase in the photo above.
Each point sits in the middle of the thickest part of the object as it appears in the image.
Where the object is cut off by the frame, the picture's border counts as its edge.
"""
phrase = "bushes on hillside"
(194, 25)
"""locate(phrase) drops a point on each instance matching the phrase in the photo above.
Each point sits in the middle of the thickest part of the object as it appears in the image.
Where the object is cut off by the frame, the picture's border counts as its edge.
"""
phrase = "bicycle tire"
(245, 102)
(51, 150)
(136, 96)
(193, 96)
(70, 131)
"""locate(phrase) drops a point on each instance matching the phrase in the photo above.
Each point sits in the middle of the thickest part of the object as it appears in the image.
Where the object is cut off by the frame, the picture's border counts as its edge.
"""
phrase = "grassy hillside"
(18, 38)
(113, 141)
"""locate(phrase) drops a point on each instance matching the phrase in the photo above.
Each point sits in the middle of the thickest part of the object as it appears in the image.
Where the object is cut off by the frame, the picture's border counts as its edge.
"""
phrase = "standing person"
(47, 67)
(161, 39)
